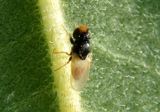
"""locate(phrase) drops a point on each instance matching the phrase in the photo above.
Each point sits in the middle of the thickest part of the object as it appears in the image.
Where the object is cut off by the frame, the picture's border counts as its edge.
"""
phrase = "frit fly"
(80, 57)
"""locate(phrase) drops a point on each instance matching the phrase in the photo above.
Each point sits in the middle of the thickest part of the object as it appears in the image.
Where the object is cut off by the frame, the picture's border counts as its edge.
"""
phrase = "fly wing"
(80, 71)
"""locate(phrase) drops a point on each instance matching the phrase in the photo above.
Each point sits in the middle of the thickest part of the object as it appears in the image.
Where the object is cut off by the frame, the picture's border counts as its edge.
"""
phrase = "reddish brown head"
(83, 28)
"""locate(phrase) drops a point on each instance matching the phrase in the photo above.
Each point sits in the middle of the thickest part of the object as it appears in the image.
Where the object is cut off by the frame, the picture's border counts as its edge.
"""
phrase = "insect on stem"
(79, 57)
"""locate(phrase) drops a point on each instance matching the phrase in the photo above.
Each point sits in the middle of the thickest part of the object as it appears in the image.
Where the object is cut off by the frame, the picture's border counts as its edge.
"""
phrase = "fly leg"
(64, 64)
(63, 52)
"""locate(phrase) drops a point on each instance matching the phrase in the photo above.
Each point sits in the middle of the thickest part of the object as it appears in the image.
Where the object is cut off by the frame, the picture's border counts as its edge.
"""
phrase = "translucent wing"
(80, 71)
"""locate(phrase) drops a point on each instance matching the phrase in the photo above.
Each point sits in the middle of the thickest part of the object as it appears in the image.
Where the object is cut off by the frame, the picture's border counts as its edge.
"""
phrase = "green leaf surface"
(25, 66)
(125, 72)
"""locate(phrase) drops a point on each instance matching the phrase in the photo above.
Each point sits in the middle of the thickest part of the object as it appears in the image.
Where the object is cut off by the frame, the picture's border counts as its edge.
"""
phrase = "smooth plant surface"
(25, 66)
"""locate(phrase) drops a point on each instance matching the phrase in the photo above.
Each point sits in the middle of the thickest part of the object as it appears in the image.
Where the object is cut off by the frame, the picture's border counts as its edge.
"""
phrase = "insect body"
(80, 57)
(81, 42)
